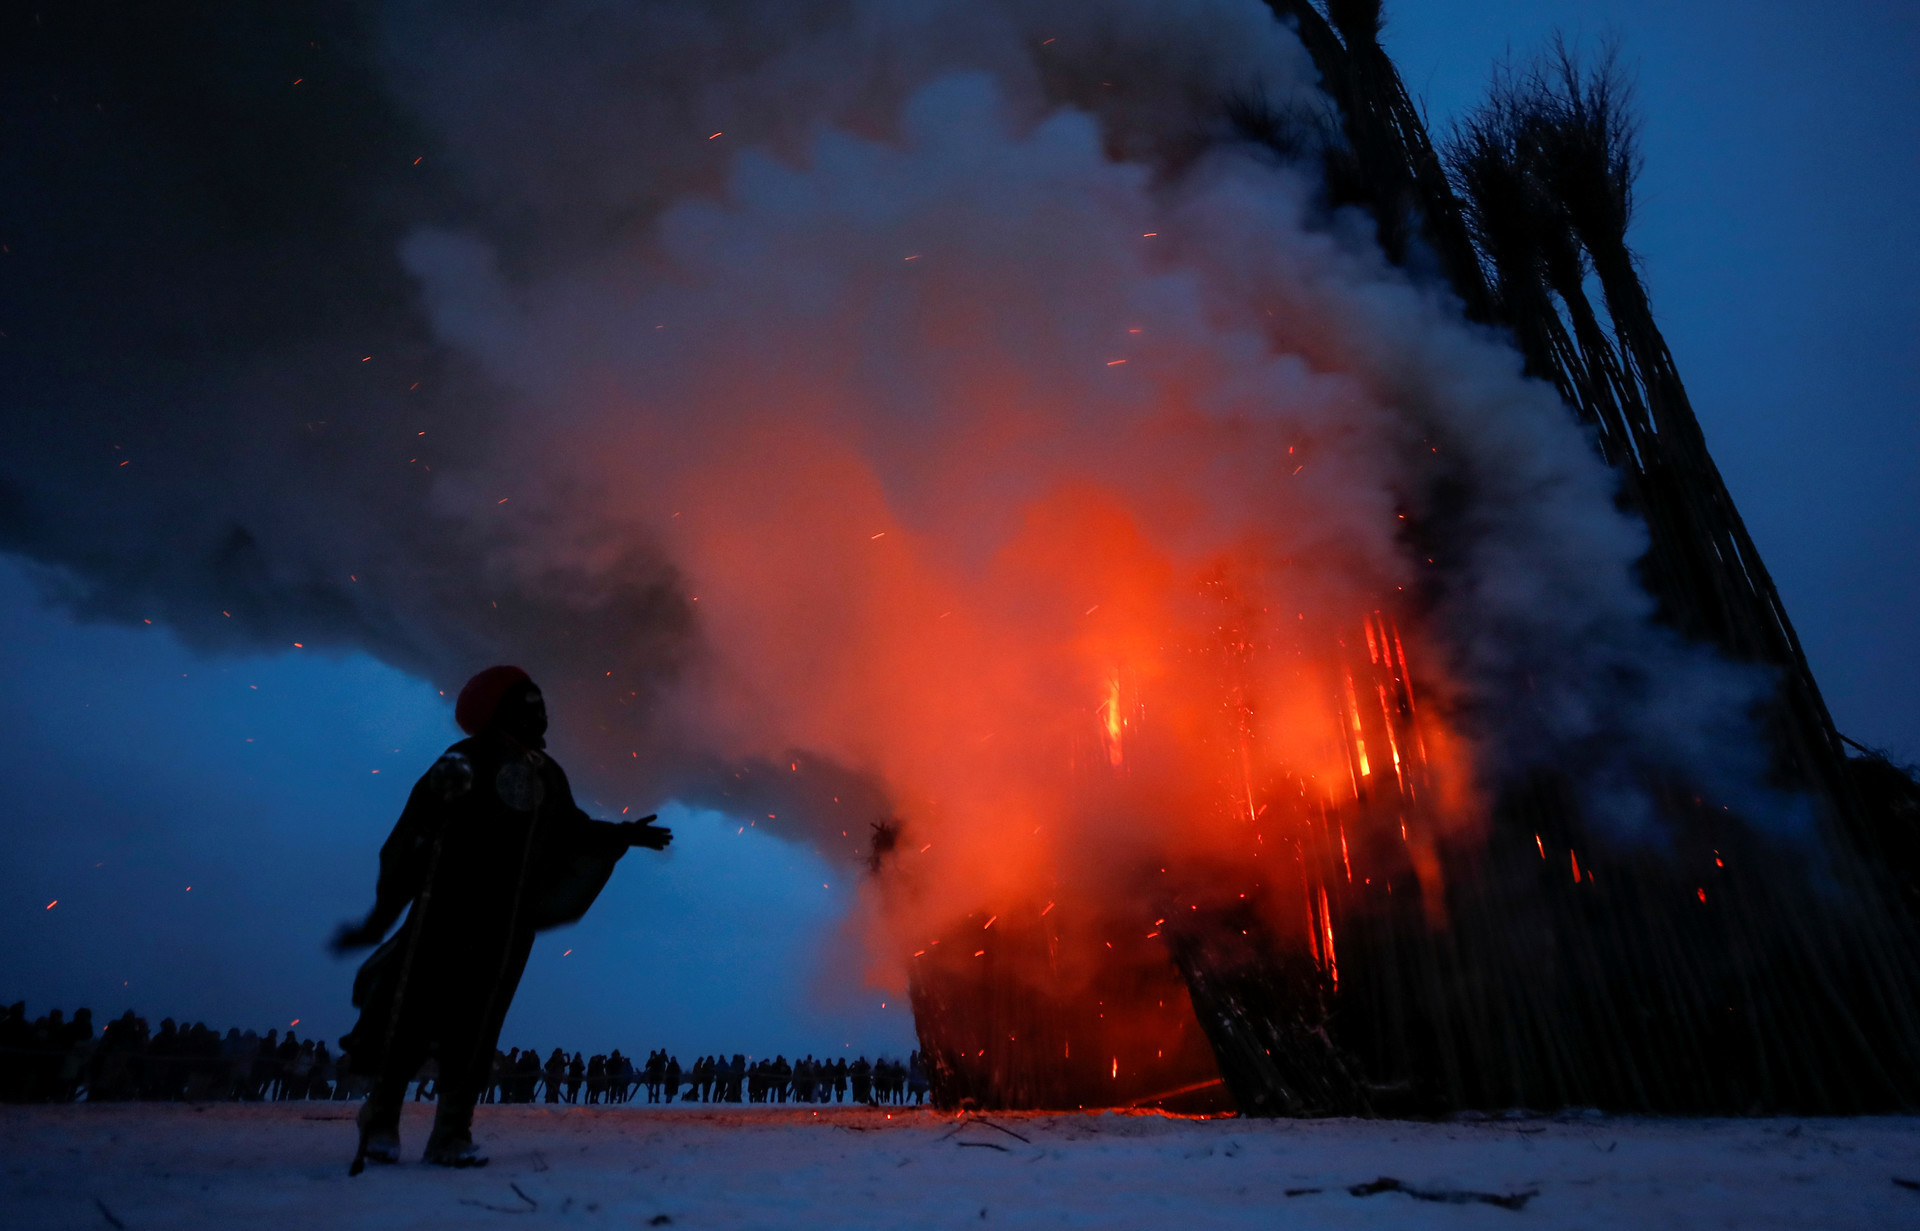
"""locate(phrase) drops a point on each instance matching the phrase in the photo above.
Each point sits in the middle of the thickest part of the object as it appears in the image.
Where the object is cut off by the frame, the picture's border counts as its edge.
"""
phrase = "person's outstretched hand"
(644, 832)
(351, 936)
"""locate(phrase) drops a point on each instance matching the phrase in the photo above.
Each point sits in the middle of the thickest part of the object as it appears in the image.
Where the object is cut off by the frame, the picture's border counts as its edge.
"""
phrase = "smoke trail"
(922, 276)
(859, 390)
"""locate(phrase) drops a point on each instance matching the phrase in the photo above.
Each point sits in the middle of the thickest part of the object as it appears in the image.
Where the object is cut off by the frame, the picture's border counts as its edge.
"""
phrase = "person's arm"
(620, 835)
(644, 832)
(406, 857)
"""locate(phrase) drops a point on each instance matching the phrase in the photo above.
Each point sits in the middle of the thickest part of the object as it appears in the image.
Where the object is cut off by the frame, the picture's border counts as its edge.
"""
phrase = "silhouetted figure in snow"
(299, 1071)
(656, 1073)
(166, 1060)
(526, 1075)
(490, 850)
(265, 1062)
(283, 1065)
(619, 1077)
(500, 1077)
(320, 1077)
(917, 1083)
(499, 1087)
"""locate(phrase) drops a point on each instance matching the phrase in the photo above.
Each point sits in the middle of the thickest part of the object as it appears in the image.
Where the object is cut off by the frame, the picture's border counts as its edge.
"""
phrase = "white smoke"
(889, 297)
(664, 249)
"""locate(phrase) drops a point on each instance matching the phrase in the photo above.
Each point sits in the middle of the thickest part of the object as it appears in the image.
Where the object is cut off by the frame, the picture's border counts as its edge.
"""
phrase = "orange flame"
(1110, 720)
(1228, 763)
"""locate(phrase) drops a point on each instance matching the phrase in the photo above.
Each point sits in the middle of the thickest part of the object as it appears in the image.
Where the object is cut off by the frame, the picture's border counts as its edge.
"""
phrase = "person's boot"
(379, 1133)
(451, 1142)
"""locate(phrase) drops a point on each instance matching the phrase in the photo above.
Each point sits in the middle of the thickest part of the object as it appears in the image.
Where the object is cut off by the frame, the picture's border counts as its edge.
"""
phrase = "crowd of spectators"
(521, 1076)
(54, 1058)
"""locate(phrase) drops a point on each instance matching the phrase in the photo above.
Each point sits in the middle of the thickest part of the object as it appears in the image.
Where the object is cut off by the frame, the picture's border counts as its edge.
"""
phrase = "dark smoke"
(223, 408)
(300, 302)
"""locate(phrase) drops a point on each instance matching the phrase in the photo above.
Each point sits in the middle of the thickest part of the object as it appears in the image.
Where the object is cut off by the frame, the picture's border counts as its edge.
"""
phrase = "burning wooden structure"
(1527, 965)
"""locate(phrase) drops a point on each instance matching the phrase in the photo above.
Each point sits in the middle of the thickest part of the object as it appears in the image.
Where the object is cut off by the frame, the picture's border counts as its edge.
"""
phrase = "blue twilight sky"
(1777, 224)
(204, 823)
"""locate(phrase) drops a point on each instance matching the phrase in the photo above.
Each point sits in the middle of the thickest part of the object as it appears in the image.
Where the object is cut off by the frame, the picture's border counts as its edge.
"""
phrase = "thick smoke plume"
(922, 412)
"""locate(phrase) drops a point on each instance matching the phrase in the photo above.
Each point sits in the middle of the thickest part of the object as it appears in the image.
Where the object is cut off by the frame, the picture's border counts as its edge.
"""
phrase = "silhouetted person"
(260, 1075)
(114, 1071)
(523, 1073)
(320, 1080)
(656, 1073)
(282, 1064)
(673, 1079)
(619, 1071)
(556, 1074)
(490, 850)
(77, 1049)
(576, 1073)
(493, 1091)
(235, 1053)
(163, 1071)
(299, 1071)
(504, 1068)
(16, 1040)
(917, 1083)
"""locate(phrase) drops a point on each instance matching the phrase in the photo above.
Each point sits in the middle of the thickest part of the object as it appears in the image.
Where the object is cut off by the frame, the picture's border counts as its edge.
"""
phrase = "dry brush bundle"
(1723, 964)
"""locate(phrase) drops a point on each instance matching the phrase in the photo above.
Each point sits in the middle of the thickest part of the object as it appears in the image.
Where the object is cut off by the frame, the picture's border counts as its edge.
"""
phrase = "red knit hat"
(482, 695)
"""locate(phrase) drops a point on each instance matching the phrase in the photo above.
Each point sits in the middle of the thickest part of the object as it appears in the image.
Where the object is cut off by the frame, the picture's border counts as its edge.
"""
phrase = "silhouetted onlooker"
(917, 1083)
(656, 1073)
(576, 1074)
(490, 850)
(596, 1078)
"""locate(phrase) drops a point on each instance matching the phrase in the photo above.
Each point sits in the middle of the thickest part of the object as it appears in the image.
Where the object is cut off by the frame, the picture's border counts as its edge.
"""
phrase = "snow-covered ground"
(284, 1166)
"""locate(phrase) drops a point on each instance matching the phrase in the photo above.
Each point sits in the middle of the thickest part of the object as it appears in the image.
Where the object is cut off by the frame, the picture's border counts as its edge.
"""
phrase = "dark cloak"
(490, 850)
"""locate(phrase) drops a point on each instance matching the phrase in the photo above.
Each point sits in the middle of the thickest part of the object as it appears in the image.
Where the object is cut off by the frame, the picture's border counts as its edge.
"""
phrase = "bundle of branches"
(1004, 1023)
(1268, 1012)
(1570, 973)
(1530, 964)
(1780, 985)
(1546, 171)
(1387, 162)
(1889, 795)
